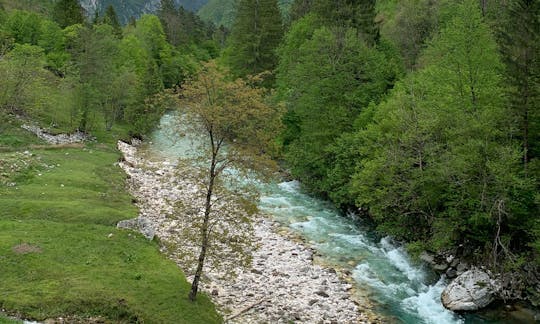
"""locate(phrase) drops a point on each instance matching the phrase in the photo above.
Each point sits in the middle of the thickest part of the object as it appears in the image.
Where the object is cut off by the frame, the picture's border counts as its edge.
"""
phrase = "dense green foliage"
(68, 12)
(256, 33)
(223, 12)
(335, 75)
(44, 7)
(182, 27)
(444, 156)
(91, 77)
(521, 48)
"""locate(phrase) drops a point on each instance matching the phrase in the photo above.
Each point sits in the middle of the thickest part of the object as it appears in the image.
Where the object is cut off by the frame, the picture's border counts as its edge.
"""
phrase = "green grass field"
(58, 209)
(5, 320)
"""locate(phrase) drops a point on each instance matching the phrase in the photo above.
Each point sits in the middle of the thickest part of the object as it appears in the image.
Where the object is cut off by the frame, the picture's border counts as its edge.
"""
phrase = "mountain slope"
(135, 8)
(222, 12)
(40, 6)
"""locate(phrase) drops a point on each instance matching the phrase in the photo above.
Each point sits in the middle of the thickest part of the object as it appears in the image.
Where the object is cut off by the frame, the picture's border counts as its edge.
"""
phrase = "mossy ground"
(58, 209)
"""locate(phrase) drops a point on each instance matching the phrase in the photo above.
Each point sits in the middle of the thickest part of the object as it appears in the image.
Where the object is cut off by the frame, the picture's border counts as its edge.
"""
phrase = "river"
(401, 290)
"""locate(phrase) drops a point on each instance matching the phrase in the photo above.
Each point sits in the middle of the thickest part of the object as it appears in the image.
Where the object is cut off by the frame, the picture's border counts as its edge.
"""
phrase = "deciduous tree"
(238, 129)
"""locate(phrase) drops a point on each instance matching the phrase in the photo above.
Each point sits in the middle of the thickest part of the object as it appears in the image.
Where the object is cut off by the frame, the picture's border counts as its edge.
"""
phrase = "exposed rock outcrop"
(140, 224)
(470, 291)
(77, 137)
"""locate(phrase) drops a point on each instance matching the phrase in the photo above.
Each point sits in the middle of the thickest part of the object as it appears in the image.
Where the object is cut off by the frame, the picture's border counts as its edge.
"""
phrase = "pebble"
(283, 285)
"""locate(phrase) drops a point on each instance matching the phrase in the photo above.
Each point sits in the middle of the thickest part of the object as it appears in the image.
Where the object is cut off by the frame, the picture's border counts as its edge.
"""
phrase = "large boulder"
(470, 291)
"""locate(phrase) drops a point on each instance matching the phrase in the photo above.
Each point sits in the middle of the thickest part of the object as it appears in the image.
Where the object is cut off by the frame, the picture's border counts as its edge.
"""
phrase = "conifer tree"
(365, 21)
(520, 38)
(358, 14)
(168, 16)
(68, 12)
(299, 9)
(256, 33)
(111, 18)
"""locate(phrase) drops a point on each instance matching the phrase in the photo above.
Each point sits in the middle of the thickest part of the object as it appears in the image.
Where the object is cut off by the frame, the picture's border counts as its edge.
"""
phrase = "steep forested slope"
(223, 12)
(423, 115)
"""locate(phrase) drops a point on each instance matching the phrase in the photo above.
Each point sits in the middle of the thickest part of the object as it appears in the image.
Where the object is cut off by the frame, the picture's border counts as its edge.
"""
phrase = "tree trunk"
(526, 139)
(484, 7)
(525, 95)
(204, 229)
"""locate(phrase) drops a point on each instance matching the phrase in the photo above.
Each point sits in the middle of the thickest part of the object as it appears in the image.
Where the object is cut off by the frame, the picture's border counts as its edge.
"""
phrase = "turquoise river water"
(401, 290)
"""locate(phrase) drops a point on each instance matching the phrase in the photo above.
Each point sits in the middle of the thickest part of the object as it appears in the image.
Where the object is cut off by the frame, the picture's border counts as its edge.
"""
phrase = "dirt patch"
(57, 146)
(26, 248)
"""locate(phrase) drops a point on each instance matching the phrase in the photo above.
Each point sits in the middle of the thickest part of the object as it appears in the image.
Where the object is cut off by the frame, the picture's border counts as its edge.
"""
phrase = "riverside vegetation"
(427, 122)
(60, 253)
(420, 115)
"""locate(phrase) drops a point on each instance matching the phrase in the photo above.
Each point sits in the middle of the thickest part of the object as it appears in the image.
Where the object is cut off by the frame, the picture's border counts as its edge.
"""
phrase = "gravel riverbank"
(281, 285)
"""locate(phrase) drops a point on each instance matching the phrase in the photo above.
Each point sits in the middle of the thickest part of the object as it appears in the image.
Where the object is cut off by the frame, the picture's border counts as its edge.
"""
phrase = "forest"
(423, 115)
(420, 116)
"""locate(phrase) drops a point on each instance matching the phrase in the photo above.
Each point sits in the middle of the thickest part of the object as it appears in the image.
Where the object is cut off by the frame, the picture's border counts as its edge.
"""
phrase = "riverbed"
(386, 282)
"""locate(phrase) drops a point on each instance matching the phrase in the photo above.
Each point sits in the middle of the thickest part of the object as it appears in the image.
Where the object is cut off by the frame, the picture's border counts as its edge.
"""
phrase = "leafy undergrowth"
(58, 257)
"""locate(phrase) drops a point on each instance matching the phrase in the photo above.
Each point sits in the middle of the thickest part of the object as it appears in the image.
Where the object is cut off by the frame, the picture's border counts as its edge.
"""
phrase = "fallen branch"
(246, 309)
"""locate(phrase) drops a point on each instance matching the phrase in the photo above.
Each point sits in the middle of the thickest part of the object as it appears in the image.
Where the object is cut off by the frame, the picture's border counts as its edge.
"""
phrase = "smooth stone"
(322, 294)
(470, 291)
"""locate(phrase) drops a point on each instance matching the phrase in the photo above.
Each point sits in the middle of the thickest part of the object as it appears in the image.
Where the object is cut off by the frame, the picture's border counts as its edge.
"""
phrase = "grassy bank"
(60, 253)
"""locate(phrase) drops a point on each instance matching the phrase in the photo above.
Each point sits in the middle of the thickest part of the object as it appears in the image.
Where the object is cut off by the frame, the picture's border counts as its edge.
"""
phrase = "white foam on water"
(363, 274)
(355, 240)
(307, 226)
(427, 304)
(290, 186)
(273, 201)
(399, 259)
(423, 302)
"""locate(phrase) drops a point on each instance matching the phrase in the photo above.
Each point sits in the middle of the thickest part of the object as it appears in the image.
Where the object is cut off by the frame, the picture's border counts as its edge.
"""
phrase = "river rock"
(140, 224)
(437, 262)
(461, 268)
(470, 291)
(427, 257)
(322, 294)
(283, 280)
(451, 273)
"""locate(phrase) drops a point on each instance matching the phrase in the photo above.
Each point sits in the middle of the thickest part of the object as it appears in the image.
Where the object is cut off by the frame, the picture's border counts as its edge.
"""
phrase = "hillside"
(135, 8)
(61, 253)
(33, 5)
(222, 12)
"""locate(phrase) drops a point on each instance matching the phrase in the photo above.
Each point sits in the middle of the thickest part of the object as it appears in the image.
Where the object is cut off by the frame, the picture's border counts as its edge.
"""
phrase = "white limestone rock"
(282, 283)
(470, 291)
(140, 224)
(77, 137)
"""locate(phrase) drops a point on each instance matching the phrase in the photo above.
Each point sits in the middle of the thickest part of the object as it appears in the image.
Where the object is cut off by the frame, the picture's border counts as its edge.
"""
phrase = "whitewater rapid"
(402, 290)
